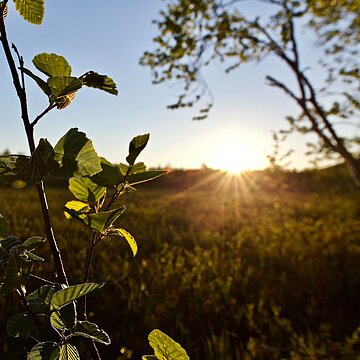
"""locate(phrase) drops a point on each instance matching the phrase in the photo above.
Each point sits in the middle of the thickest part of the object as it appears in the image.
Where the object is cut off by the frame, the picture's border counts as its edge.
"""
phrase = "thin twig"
(49, 108)
(89, 258)
(45, 281)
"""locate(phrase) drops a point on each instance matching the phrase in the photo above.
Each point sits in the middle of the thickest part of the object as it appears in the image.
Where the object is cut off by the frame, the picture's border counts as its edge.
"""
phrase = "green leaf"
(5, 246)
(71, 293)
(4, 11)
(75, 156)
(4, 226)
(12, 167)
(64, 318)
(69, 352)
(129, 170)
(31, 10)
(46, 150)
(86, 190)
(75, 206)
(44, 351)
(37, 168)
(52, 65)
(109, 176)
(39, 300)
(34, 242)
(149, 357)
(145, 176)
(19, 325)
(124, 169)
(63, 85)
(138, 168)
(165, 347)
(41, 83)
(128, 237)
(17, 272)
(102, 220)
(30, 256)
(137, 145)
(64, 101)
(102, 82)
(91, 331)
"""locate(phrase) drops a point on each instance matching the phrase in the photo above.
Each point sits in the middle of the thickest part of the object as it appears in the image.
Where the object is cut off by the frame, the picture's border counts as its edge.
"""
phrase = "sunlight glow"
(235, 158)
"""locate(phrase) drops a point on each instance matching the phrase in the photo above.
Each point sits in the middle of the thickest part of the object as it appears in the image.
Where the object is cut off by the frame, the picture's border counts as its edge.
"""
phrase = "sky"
(109, 37)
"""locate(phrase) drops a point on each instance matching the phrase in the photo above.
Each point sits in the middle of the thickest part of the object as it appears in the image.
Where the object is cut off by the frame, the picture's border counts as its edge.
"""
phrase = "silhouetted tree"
(194, 33)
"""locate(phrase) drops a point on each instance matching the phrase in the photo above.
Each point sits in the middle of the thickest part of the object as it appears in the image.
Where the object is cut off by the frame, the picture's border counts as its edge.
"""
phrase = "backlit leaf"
(137, 145)
(109, 175)
(60, 86)
(31, 256)
(31, 10)
(4, 10)
(102, 82)
(39, 300)
(33, 242)
(65, 100)
(86, 190)
(124, 169)
(44, 351)
(64, 318)
(128, 237)
(5, 247)
(91, 331)
(138, 168)
(37, 168)
(102, 220)
(75, 156)
(78, 206)
(12, 167)
(69, 352)
(165, 347)
(52, 65)
(71, 293)
(19, 325)
(41, 83)
(17, 272)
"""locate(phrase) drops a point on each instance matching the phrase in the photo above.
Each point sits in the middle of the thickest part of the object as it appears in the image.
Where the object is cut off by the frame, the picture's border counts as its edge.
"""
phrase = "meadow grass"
(230, 269)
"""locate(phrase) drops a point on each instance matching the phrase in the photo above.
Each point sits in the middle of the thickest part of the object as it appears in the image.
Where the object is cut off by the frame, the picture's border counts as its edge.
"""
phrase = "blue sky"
(109, 37)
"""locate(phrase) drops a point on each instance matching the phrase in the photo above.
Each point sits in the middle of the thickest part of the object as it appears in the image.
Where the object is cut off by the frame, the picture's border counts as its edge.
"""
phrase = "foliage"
(194, 34)
(165, 347)
(57, 311)
(263, 267)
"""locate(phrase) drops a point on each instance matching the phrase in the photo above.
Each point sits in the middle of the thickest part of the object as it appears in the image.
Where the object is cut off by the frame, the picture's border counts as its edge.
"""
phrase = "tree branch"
(21, 93)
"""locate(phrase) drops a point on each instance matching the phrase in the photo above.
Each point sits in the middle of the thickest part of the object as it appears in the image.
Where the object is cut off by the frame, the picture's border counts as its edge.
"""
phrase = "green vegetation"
(55, 314)
(259, 267)
(255, 266)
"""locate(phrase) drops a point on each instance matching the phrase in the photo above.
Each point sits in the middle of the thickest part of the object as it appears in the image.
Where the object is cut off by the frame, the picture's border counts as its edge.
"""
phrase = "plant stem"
(50, 107)
(29, 129)
(89, 258)
(45, 281)
(83, 311)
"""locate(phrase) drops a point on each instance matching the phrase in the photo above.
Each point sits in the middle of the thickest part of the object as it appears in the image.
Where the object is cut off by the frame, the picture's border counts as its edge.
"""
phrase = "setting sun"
(235, 158)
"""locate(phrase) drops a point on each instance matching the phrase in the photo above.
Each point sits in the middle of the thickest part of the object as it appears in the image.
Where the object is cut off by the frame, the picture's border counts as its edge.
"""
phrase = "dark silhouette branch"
(29, 129)
(49, 108)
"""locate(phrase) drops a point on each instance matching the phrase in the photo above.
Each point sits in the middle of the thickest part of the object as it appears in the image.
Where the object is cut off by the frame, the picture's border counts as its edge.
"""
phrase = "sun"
(234, 158)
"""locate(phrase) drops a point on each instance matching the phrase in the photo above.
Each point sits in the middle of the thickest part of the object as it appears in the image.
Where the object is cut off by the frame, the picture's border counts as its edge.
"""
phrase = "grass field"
(231, 269)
